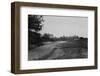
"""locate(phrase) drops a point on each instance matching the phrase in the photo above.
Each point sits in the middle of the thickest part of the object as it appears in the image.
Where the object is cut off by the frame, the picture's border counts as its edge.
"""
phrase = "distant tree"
(47, 37)
(34, 26)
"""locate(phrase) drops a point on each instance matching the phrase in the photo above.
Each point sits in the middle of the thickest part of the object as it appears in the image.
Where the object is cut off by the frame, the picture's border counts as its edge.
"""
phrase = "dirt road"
(49, 51)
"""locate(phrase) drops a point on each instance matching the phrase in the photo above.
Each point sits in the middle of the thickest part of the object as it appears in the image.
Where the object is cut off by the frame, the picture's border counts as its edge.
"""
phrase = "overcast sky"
(67, 26)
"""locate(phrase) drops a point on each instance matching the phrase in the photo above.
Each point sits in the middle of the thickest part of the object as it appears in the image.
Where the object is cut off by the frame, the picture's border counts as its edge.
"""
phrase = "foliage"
(35, 23)
(34, 26)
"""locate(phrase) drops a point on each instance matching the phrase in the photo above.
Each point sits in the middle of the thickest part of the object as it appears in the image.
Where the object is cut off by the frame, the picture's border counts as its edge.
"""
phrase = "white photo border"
(25, 64)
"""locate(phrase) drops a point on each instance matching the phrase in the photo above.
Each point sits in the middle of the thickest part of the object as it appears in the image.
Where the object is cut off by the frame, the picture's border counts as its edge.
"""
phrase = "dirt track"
(59, 50)
(49, 51)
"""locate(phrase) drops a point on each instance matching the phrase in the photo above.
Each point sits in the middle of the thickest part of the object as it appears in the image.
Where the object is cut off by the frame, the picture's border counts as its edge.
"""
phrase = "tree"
(47, 37)
(35, 23)
(34, 26)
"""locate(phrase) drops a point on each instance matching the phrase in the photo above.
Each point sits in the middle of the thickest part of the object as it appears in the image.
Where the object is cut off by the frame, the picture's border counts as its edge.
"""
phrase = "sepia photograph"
(57, 37)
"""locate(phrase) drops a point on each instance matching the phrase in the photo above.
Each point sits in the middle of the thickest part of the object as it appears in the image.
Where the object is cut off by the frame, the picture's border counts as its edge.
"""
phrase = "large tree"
(34, 26)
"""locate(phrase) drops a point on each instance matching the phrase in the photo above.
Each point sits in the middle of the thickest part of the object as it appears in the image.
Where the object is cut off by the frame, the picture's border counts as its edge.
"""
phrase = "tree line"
(35, 24)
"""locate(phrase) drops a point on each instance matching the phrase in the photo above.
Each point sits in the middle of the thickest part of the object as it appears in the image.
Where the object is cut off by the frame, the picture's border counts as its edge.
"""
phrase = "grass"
(74, 49)
(74, 44)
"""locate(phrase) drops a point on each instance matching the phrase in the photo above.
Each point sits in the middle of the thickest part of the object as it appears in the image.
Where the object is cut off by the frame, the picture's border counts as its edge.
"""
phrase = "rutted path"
(49, 51)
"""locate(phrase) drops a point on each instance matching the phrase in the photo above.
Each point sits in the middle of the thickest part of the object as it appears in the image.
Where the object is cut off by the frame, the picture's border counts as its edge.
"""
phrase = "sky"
(65, 26)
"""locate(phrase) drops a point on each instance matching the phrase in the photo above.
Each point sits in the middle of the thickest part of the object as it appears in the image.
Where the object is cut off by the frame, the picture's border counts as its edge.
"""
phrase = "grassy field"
(71, 49)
